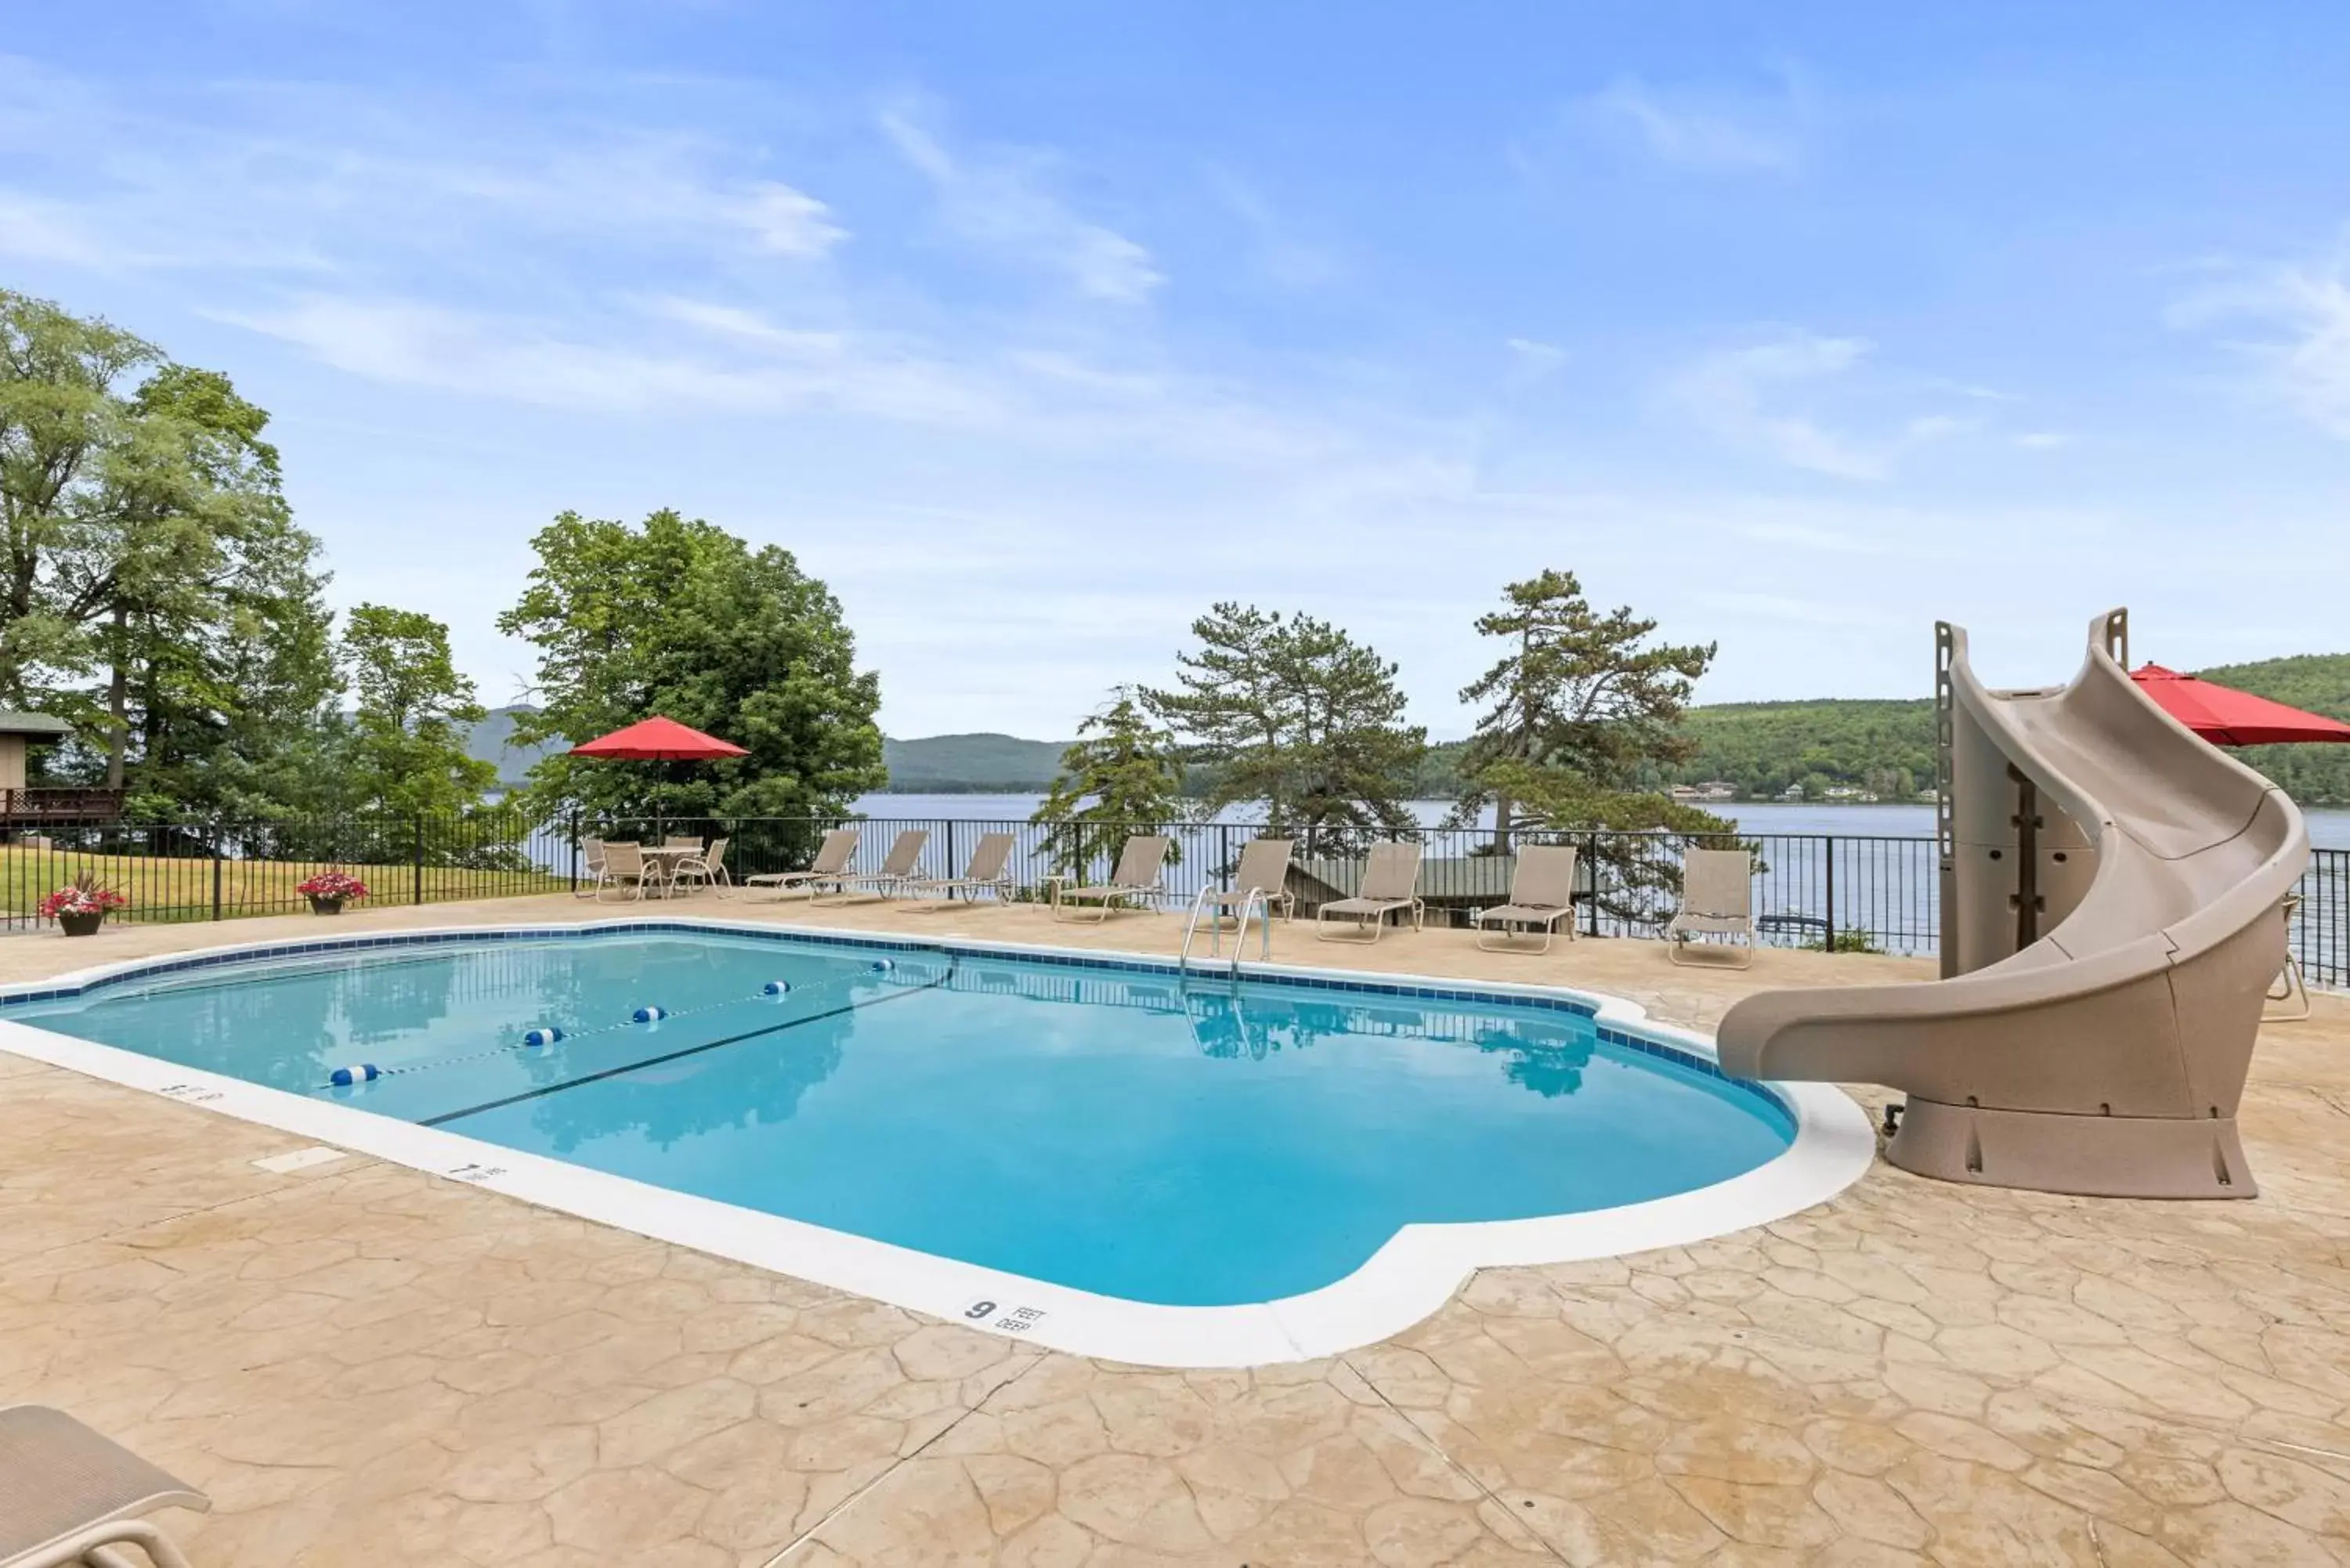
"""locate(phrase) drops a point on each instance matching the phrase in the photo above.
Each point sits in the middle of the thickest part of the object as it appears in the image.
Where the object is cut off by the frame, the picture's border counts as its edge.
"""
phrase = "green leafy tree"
(1292, 711)
(677, 616)
(415, 711)
(154, 590)
(1578, 704)
(1122, 775)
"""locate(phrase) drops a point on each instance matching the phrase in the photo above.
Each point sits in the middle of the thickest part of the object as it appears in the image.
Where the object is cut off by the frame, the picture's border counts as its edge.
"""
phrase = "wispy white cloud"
(1532, 359)
(1710, 131)
(1276, 249)
(256, 180)
(1000, 198)
(2043, 441)
(1731, 393)
(2300, 314)
(1767, 396)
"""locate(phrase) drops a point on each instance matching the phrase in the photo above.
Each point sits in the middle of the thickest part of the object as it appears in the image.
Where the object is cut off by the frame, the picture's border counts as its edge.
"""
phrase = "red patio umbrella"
(659, 740)
(2226, 717)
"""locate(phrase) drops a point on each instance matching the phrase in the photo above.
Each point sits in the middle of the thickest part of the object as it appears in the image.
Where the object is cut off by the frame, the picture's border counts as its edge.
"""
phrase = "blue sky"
(1035, 329)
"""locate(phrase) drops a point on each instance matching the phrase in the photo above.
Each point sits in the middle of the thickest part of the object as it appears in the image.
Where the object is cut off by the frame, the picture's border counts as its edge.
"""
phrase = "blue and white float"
(365, 1072)
(649, 1014)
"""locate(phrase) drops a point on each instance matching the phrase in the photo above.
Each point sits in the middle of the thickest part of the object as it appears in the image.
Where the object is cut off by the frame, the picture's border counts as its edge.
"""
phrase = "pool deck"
(366, 1364)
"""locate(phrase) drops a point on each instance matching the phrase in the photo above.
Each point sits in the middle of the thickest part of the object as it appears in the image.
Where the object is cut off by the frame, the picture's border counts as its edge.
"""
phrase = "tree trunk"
(1502, 824)
(118, 702)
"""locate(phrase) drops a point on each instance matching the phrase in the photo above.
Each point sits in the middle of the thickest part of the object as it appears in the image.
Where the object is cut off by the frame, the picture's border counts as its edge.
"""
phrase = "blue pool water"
(1108, 1128)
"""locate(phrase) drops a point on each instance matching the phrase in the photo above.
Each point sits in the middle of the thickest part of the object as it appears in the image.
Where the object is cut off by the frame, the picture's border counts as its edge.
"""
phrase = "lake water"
(2329, 828)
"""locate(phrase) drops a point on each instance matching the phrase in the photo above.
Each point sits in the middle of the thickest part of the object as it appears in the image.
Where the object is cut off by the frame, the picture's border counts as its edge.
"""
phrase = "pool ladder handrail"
(1254, 902)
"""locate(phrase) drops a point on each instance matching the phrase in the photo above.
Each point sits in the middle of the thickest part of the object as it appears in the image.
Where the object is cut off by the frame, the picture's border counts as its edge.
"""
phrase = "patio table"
(666, 858)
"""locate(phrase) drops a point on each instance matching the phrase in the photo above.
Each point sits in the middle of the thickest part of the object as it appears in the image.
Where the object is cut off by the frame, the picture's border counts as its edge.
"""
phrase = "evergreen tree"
(1292, 711)
(1121, 775)
(1577, 706)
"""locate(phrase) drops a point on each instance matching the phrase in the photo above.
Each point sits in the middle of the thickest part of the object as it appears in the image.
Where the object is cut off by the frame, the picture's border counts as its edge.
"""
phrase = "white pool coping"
(1415, 1272)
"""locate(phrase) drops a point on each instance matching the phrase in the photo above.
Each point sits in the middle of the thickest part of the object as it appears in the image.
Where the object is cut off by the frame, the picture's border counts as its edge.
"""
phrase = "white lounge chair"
(988, 871)
(904, 856)
(1716, 899)
(1139, 865)
(1390, 885)
(624, 866)
(1542, 899)
(831, 860)
(69, 1495)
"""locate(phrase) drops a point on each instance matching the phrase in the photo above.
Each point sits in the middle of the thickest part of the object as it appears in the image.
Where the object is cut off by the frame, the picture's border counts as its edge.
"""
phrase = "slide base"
(2099, 1157)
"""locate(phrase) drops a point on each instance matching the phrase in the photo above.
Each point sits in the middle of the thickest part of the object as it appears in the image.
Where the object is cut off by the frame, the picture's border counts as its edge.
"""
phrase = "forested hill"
(1884, 746)
(971, 764)
(1888, 746)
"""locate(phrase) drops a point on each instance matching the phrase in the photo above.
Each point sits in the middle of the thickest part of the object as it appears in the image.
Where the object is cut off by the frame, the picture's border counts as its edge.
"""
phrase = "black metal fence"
(176, 871)
(1857, 892)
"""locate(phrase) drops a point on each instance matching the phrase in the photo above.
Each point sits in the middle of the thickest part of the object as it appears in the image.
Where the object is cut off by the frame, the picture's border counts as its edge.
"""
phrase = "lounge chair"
(1137, 878)
(831, 860)
(1390, 885)
(2288, 996)
(68, 1496)
(904, 856)
(1542, 898)
(1263, 874)
(624, 866)
(1716, 899)
(987, 871)
(709, 867)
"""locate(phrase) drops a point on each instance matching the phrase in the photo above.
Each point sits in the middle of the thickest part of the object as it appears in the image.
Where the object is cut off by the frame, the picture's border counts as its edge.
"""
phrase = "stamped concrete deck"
(364, 1365)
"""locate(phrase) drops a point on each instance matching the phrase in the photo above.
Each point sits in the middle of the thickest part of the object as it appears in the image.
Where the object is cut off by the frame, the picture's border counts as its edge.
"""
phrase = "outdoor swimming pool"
(1108, 1127)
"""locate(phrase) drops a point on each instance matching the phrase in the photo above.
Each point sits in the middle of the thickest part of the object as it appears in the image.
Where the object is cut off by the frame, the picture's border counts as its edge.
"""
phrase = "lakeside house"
(19, 733)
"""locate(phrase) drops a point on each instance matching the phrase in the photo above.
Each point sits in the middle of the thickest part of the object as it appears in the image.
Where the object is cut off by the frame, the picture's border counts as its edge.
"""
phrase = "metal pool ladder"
(1252, 905)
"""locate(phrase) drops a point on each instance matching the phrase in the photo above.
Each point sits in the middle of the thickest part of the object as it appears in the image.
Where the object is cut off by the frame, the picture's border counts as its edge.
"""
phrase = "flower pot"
(321, 904)
(84, 924)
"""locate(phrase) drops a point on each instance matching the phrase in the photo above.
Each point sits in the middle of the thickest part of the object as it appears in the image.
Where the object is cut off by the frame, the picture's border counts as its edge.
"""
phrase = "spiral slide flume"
(2111, 892)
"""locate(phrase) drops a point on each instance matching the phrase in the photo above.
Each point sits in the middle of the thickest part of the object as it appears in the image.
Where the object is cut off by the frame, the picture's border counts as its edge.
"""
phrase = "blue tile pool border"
(1673, 1055)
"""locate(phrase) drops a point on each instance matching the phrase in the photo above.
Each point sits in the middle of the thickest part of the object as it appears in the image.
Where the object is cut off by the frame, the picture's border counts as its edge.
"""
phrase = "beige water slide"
(2113, 913)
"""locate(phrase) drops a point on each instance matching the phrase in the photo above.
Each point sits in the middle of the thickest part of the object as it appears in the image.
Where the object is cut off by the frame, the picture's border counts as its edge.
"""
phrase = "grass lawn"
(164, 887)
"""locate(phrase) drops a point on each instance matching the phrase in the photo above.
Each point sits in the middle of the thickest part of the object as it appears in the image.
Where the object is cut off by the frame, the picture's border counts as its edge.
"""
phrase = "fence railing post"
(953, 859)
(418, 864)
(216, 873)
(575, 852)
(1590, 905)
(1828, 842)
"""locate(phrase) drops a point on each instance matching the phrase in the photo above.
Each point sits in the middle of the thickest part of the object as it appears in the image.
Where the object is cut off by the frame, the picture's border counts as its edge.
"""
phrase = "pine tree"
(1121, 775)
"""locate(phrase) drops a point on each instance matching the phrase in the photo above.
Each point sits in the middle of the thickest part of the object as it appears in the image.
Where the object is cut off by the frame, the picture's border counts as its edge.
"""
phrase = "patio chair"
(831, 860)
(708, 868)
(683, 841)
(1390, 885)
(905, 854)
(68, 1496)
(624, 866)
(1716, 899)
(987, 871)
(1542, 898)
(591, 862)
(1137, 878)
